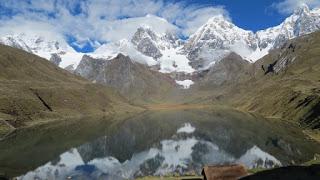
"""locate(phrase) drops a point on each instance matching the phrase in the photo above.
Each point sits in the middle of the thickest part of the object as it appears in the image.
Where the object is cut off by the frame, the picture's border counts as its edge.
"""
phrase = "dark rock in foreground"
(288, 173)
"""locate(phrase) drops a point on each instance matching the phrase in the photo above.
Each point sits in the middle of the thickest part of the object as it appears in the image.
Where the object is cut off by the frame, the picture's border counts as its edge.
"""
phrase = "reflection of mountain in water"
(182, 153)
(165, 142)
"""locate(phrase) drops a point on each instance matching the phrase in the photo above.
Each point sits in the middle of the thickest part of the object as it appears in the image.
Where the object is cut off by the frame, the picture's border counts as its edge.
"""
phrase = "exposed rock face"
(161, 51)
(151, 44)
(285, 83)
(147, 47)
(229, 70)
(48, 47)
(91, 69)
(209, 44)
(289, 172)
(218, 37)
(302, 22)
(145, 40)
(55, 59)
(15, 41)
(128, 77)
(70, 68)
(32, 89)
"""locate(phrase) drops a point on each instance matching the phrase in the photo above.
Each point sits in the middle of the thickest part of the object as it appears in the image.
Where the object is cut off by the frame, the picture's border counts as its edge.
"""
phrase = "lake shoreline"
(5, 120)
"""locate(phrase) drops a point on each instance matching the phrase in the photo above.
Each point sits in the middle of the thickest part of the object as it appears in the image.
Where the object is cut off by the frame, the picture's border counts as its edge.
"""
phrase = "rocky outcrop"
(290, 90)
(55, 59)
(289, 172)
(91, 69)
(218, 37)
(144, 39)
(32, 88)
(229, 70)
(131, 79)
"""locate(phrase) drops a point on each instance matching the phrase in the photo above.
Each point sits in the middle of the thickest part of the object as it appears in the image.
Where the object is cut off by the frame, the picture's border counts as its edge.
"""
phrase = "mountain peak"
(144, 31)
(121, 56)
(218, 18)
(144, 27)
(219, 21)
(302, 9)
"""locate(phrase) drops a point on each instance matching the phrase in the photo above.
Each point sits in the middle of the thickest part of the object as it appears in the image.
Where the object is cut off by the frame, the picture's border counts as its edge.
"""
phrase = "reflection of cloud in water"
(180, 155)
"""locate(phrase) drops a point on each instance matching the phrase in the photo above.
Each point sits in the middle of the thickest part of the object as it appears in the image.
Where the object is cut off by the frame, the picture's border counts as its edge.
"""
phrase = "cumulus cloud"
(125, 28)
(192, 19)
(97, 21)
(288, 6)
(20, 25)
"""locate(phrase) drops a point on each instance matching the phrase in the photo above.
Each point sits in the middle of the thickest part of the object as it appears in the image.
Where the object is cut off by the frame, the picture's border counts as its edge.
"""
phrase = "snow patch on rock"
(186, 128)
(186, 84)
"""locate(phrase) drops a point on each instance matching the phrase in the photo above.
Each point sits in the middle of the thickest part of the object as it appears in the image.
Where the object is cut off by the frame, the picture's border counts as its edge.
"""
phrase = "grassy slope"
(32, 89)
(291, 94)
(294, 92)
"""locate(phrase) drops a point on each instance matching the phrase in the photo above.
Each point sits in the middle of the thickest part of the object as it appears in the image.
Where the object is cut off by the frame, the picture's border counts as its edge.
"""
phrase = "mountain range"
(219, 64)
(32, 88)
(167, 53)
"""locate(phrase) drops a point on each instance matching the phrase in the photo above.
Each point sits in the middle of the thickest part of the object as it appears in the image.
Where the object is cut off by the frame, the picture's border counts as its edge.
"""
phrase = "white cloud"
(288, 6)
(20, 25)
(193, 19)
(125, 28)
(103, 20)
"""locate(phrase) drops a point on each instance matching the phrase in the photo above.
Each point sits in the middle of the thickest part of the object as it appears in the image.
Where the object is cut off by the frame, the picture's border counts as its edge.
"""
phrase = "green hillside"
(33, 90)
(284, 84)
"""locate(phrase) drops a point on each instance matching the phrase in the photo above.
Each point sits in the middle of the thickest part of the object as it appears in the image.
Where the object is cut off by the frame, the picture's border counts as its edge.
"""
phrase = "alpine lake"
(152, 143)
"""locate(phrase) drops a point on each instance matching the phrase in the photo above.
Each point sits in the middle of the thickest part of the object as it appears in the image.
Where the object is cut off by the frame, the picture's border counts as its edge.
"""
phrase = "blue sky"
(85, 24)
(253, 15)
(248, 14)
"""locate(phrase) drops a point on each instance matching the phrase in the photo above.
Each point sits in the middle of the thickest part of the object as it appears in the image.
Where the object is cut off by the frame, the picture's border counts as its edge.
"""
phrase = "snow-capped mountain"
(111, 50)
(125, 75)
(164, 51)
(218, 37)
(54, 49)
(150, 48)
(303, 21)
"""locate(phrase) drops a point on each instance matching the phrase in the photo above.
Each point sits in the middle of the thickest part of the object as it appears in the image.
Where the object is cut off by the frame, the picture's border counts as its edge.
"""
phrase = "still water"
(152, 143)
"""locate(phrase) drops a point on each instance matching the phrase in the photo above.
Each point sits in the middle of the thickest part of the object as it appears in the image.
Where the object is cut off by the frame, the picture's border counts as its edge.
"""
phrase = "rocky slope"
(218, 37)
(165, 52)
(54, 48)
(229, 70)
(215, 39)
(208, 56)
(160, 51)
(132, 79)
(32, 89)
(284, 84)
